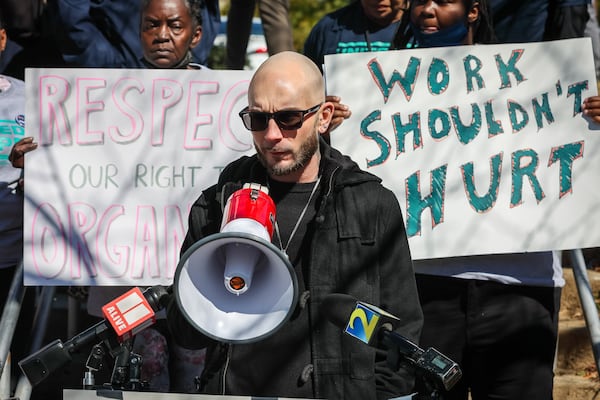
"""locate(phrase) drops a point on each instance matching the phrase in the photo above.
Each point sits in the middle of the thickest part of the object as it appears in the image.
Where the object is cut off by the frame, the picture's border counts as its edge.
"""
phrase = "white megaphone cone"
(252, 211)
(235, 286)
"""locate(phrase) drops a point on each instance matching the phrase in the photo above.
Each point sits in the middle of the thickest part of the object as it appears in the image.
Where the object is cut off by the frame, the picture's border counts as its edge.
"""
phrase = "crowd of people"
(337, 220)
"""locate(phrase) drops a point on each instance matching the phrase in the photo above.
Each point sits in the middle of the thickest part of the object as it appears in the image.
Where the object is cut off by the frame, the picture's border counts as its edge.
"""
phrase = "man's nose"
(163, 33)
(273, 132)
(429, 5)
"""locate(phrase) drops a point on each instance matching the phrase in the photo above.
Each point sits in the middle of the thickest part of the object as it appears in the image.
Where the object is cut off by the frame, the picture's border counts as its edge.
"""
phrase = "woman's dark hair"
(483, 30)
(194, 8)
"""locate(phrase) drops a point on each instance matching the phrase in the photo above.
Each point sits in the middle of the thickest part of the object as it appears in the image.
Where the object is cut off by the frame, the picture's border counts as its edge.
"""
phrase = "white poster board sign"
(122, 156)
(485, 147)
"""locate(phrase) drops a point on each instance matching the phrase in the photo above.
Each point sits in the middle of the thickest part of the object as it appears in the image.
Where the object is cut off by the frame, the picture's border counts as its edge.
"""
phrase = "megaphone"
(235, 286)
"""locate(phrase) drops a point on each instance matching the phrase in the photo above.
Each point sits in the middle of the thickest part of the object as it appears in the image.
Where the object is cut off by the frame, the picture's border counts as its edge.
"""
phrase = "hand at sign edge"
(17, 153)
(340, 113)
(591, 108)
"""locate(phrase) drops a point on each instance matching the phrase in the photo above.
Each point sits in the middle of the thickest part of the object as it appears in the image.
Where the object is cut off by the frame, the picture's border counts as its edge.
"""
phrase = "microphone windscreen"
(338, 308)
(363, 321)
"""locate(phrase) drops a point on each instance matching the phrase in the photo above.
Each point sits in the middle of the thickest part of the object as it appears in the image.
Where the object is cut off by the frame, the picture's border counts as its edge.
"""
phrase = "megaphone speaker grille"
(219, 313)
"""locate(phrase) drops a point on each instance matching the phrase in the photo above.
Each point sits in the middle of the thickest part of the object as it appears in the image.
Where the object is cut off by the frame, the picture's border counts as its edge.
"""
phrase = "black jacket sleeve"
(398, 294)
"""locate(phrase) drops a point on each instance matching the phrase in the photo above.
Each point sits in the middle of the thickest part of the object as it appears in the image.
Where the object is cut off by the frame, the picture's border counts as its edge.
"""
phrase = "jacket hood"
(347, 171)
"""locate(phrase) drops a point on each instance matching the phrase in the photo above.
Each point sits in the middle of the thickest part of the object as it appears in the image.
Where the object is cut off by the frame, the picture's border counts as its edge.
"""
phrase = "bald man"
(343, 233)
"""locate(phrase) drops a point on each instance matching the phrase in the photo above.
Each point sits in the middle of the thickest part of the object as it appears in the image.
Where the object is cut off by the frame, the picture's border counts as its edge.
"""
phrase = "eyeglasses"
(285, 119)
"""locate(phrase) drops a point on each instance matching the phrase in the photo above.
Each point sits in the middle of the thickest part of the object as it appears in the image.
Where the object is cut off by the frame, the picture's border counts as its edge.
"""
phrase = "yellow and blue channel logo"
(362, 323)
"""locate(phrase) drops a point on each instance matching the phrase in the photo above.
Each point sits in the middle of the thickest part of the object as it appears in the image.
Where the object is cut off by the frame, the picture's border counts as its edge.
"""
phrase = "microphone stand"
(436, 371)
(93, 364)
(126, 373)
(135, 373)
(120, 374)
(127, 369)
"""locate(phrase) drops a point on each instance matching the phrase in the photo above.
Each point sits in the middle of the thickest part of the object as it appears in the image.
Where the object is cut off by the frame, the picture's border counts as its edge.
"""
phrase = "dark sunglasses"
(285, 119)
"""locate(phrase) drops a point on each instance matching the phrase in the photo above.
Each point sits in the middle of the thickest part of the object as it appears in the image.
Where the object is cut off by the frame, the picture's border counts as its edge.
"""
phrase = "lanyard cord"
(314, 190)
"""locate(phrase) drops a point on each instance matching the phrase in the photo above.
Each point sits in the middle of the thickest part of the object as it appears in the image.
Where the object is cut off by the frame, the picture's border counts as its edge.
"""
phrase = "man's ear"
(3, 39)
(196, 38)
(325, 117)
(473, 14)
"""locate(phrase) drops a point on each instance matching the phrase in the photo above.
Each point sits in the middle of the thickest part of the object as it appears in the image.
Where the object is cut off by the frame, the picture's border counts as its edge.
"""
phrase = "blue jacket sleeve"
(99, 34)
(211, 22)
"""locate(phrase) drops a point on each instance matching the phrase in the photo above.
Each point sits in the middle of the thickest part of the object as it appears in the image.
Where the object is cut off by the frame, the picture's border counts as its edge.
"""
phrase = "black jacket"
(359, 248)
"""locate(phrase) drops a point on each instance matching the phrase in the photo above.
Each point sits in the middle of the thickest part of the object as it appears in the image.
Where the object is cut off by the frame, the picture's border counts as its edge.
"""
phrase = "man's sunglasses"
(285, 119)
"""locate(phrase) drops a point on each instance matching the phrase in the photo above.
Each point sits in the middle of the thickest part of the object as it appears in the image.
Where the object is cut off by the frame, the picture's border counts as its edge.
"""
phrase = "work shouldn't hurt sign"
(485, 146)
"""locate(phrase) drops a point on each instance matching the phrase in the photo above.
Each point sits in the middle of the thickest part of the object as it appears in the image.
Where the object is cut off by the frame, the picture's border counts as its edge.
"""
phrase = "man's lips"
(429, 29)
(162, 51)
(277, 153)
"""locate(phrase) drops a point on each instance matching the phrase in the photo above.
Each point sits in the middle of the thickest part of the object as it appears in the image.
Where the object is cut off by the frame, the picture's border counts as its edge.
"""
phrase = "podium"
(72, 394)
(105, 394)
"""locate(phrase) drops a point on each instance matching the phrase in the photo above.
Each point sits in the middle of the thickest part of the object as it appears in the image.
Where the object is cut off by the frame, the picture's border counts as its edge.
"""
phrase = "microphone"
(125, 316)
(374, 327)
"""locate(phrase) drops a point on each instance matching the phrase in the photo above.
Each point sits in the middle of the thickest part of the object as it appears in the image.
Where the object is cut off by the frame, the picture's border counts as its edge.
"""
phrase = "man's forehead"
(276, 91)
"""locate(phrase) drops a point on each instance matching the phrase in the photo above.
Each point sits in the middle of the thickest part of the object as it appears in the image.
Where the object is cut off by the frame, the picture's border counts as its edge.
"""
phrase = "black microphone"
(125, 316)
(375, 327)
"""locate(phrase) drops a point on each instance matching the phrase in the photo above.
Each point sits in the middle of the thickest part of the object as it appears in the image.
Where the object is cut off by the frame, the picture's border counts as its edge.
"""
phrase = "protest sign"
(485, 146)
(122, 156)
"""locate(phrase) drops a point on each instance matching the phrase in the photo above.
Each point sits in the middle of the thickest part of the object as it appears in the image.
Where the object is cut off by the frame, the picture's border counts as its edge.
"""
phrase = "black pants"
(502, 336)
(275, 19)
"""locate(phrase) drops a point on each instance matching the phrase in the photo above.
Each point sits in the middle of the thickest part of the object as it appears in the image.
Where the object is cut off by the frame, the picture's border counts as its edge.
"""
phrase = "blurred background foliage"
(304, 14)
